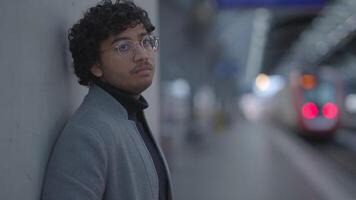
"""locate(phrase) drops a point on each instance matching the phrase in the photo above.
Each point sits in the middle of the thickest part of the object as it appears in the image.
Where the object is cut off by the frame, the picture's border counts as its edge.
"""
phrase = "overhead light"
(262, 82)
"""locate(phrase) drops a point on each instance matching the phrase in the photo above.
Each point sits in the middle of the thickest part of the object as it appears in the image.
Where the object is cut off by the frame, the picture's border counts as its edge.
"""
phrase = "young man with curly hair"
(106, 150)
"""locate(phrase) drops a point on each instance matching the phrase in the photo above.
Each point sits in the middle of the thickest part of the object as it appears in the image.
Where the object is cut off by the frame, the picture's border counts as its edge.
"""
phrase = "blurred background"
(253, 99)
(258, 98)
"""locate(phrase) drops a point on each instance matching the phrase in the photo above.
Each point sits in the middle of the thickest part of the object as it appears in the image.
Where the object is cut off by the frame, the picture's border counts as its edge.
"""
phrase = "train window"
(322, 92)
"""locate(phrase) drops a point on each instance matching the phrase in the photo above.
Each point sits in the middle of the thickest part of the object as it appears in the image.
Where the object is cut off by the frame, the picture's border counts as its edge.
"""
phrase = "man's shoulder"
(88, 117)
(97, 106)
(99, 114)
(86, 125)
(92, 118)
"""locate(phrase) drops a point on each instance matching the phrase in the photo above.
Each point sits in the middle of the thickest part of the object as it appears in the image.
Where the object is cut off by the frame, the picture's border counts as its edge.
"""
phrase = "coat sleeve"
(77, 167)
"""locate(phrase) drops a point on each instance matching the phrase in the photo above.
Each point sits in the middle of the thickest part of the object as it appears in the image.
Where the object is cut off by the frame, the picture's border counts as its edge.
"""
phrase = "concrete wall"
(38, 89)
(152, 94)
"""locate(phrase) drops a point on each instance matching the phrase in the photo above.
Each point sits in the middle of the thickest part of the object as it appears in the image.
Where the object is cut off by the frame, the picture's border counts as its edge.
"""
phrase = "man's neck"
(137, 96)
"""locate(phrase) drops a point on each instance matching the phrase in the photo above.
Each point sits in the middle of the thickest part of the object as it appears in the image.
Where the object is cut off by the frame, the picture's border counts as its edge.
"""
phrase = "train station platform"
(255, 162)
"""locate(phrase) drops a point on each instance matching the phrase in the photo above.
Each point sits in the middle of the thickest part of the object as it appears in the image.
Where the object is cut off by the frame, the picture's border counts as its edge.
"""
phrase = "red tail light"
(309, 110)
(330, 110)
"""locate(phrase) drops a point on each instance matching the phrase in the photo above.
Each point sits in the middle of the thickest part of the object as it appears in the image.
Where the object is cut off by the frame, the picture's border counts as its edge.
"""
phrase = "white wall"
(38, 89)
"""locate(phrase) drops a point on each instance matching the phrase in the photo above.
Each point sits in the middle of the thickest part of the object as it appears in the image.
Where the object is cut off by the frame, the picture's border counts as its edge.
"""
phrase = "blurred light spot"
(307, 81)
(350, 103)
(180, 88)
(309, 110)
(262, 82)
(330, 110)
(267, 86)
(204, 98)
(250, 106)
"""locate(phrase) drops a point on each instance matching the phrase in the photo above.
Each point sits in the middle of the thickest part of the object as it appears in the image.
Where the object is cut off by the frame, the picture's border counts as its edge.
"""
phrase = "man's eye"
(125, 47)
(146, 42)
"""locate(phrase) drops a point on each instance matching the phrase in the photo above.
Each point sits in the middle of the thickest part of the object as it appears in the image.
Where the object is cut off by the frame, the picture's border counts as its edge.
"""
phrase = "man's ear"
(96, 70)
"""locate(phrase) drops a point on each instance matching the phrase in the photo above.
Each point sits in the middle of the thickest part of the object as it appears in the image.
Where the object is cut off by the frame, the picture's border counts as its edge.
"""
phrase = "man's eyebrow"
(127, 38)
(143, 34)
(119, 39)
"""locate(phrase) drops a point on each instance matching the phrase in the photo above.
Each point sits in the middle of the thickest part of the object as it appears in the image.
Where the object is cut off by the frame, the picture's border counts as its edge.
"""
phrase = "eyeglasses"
(126, 48)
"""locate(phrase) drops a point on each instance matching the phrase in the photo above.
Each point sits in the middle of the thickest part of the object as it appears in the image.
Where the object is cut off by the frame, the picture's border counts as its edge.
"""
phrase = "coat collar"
(104, 101)
(131, 104)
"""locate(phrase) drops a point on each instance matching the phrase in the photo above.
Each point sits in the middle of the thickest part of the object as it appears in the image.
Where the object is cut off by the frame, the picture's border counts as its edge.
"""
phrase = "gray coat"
(100, 155)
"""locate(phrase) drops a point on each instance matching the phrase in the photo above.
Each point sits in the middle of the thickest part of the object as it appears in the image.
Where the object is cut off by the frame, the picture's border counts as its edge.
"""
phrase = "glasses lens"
(154, 43)
(147, 42)
(124, 47)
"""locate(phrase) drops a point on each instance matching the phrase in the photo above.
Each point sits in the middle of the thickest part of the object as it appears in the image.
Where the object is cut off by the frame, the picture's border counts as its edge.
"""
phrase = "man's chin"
(143, 87)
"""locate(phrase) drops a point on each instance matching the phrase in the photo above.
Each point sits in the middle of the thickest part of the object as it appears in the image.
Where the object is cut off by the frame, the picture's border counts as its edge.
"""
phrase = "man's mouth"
(142, 68)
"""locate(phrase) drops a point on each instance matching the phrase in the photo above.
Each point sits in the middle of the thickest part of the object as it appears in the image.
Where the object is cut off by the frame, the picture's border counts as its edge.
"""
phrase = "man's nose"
(140, 53)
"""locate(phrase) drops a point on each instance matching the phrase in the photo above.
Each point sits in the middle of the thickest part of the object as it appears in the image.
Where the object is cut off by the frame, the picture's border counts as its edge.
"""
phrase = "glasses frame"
(154, 43)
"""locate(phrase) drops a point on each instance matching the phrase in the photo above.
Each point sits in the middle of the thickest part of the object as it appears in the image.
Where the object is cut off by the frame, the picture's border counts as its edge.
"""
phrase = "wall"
(152, 94)
(38, 89)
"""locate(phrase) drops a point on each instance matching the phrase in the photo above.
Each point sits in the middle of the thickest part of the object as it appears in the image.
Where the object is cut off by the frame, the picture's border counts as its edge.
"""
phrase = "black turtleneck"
(135, 113)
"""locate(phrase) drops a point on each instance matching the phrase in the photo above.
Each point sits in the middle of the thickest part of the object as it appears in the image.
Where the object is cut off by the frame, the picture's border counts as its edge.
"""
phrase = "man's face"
(130, 71)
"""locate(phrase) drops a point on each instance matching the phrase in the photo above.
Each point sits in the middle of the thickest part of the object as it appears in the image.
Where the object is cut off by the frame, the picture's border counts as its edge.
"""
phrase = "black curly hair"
(98, 23)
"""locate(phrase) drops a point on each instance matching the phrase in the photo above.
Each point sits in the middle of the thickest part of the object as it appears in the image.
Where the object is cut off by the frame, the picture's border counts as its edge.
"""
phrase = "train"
(310, 102)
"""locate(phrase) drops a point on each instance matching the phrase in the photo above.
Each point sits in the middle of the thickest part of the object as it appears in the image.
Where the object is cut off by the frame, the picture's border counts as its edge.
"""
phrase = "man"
(106, 151)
